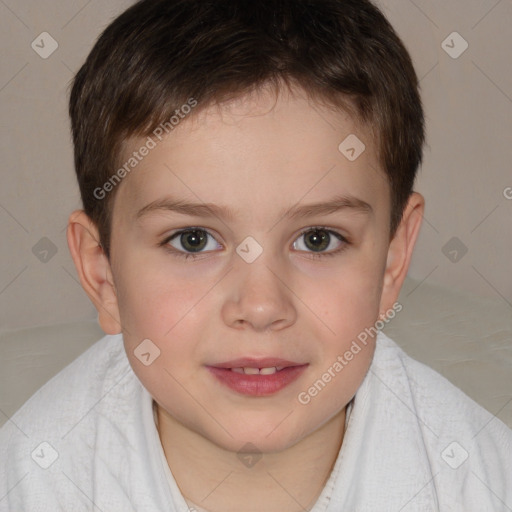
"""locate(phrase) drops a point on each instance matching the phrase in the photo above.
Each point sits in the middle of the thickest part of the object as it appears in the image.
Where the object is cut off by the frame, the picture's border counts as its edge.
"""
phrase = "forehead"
(258, 150)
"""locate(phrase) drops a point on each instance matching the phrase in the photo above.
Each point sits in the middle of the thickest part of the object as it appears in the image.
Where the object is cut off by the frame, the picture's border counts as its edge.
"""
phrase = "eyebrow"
(338, 203)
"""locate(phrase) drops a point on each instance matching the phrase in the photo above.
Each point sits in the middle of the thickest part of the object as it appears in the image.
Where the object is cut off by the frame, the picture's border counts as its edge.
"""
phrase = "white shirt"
(87, 440)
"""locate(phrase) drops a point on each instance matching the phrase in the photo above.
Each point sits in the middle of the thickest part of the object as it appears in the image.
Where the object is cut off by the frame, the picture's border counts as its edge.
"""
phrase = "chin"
(270, 436)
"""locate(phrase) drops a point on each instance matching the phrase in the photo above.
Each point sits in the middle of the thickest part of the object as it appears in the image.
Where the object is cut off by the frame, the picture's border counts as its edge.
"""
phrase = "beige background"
(465, 175)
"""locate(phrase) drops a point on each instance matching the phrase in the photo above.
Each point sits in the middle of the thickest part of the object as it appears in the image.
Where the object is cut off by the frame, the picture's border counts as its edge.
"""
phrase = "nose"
(258, 298)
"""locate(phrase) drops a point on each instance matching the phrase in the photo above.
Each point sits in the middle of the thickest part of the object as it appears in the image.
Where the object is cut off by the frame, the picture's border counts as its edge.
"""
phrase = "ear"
(93, 269)
(400, 251)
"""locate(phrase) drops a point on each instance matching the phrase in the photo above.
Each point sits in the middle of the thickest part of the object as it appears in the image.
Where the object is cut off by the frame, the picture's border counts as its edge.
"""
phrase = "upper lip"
(250, 362)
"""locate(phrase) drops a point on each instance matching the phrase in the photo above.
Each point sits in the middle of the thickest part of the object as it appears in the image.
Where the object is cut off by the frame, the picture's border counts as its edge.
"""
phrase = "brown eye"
(193, 241)
(319, 240)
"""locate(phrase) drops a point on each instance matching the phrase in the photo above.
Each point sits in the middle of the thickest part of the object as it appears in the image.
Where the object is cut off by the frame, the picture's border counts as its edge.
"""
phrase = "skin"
(291, 302)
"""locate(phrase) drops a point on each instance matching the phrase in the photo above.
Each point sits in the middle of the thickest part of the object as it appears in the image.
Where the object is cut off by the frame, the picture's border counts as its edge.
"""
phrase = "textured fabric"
(87, 440)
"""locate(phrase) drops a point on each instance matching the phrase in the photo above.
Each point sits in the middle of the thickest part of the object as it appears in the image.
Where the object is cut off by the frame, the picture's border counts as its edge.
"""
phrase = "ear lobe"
(400, 250)
(93, 269)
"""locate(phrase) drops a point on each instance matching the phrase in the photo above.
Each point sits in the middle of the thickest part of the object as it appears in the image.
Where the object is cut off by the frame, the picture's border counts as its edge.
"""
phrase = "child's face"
(300, 300)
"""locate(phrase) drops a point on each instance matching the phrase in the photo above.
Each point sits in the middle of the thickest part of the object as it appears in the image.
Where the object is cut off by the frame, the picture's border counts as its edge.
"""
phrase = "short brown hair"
(160, 53)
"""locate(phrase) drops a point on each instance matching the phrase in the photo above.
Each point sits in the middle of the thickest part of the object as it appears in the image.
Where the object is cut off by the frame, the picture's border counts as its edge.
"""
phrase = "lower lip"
(257, 385)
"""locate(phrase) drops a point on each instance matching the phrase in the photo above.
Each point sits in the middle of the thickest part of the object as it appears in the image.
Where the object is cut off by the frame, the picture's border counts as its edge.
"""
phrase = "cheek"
(164, 308)
(349, 309)
(154, 298)
(346, 298)
(162, 312)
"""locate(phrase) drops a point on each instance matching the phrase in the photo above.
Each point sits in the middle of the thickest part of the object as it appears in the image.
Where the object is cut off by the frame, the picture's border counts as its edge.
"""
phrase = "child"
(246, 170)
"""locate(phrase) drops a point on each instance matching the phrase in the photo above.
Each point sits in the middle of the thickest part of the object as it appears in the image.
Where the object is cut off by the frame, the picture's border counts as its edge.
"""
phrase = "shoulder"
(447, 405)
(64, 394)
(32, 439)
(466, 444)
(87, 435)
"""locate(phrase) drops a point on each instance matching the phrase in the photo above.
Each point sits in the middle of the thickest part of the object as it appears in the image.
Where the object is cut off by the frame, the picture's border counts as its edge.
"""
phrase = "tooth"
(237, 370)
(251, 371)
(268, 371)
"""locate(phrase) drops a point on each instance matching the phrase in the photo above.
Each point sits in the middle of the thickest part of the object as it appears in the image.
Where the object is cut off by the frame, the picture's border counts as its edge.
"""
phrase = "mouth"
(257, 377)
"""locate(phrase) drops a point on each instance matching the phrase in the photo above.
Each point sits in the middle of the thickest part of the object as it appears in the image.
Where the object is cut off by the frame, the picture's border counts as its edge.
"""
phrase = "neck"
(217, 480)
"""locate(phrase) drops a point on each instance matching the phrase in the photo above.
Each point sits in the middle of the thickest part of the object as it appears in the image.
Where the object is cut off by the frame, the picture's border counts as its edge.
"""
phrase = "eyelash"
(313, 255)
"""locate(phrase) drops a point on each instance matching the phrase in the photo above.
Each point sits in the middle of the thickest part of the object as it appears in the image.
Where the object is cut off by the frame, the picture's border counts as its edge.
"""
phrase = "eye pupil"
(193, 240)
(319, 239)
